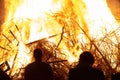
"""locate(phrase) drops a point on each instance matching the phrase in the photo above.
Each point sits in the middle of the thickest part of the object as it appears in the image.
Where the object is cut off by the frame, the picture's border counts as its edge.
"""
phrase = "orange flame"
(35, 23)
(99, 17)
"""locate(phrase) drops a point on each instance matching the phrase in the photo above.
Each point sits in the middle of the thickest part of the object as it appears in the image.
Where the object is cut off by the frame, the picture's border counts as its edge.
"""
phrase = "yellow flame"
(22, 58)
(94, 16)
(33, 9)
(36, 11)
(99, 18)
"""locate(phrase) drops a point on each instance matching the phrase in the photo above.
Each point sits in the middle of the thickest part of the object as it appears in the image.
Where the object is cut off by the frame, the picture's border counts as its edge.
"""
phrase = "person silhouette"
(38, 70)
(115, 76)
(84, 69)
(3, 75)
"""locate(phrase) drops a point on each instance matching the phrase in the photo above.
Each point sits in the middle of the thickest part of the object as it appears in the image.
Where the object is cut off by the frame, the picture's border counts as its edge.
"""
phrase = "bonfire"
(62, 29)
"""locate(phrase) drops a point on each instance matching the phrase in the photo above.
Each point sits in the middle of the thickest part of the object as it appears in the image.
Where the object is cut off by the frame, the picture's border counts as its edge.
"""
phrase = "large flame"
(34, 21)
(99, 17)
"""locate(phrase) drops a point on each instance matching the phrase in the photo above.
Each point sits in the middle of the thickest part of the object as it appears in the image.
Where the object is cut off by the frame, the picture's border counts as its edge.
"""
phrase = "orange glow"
(38, 19)
(99, 18)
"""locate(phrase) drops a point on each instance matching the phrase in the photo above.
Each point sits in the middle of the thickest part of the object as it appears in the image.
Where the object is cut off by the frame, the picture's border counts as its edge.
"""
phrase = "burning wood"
(7, 38)
(4, 48)
(63, 29)
(5, 65)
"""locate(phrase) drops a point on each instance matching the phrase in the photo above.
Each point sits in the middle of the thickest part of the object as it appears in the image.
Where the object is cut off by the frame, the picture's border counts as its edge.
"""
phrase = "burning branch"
(17, 28)
(8, 66)
(57, 61)
(96, 48)
(4, 48)
(61, 37)
(112, 32)
(14, 37)
(7, 38)
(52, 36)
(13, 63)
(5, 64)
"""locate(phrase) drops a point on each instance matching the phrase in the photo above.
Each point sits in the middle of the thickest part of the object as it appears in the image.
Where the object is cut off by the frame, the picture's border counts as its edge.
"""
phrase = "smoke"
(2, 12)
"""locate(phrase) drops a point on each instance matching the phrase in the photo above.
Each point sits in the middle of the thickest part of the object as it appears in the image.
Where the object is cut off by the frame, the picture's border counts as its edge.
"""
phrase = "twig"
(7, 38)
(13, 63)
(61, 37)
(17, 28)
(95, 47)
(4, 48)
(44, 38)
(8, 66)
(14, 36)
(57, 61)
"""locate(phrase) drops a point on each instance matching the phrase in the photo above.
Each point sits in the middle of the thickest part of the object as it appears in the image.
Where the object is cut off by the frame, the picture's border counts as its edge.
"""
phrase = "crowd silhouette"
(84, 70)
(39, 70)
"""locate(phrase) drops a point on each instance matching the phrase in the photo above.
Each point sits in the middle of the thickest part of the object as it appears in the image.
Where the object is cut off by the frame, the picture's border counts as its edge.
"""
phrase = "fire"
(33, 9)
(99, 17)
(36, 12)
(34, 20)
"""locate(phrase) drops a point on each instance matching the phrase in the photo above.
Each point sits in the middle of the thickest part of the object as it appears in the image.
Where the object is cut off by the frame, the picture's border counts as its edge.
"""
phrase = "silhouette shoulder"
(38, 71)
(99, 74)
(3, 75)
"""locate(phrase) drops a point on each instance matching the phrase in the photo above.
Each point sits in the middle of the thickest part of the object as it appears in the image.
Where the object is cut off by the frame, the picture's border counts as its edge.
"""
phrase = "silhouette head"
(37, 54)
(86, 58)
